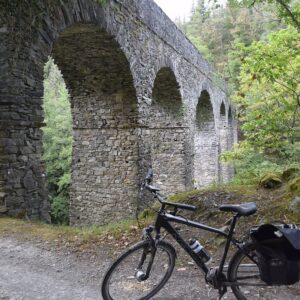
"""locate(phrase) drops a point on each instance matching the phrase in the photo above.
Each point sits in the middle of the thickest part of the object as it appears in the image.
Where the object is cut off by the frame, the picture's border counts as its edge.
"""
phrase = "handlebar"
(181, 206)
(155, 191)
(149, 176)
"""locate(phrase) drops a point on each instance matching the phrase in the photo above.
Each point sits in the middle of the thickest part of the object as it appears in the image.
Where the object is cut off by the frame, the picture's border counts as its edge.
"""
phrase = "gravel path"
(29, 272)
(32, 271)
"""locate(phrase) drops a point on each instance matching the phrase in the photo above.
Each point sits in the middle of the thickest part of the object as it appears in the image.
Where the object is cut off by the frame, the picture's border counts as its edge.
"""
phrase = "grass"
(83, 238)
(273, 205)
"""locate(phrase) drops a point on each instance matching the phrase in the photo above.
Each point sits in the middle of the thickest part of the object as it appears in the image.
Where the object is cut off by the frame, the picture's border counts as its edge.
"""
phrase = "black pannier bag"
(278, 252)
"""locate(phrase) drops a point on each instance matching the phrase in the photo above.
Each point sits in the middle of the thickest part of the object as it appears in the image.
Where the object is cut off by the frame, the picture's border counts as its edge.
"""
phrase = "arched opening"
(230, 142)
(167, 133)
(230, 129)
(57, 142)
(205, 141)
(223, 144)
(223, 110)
(104, 116)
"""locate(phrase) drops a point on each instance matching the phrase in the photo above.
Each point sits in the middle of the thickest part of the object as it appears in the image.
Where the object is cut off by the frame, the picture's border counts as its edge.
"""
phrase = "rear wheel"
(125, 279)
(243, 272)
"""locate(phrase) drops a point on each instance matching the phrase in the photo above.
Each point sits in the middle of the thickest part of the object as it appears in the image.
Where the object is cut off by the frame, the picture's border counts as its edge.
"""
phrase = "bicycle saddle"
(244, 209)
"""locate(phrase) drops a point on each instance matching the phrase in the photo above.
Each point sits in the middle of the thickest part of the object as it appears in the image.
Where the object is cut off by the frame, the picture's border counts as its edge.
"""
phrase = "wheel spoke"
(127, 279)
(244, 275)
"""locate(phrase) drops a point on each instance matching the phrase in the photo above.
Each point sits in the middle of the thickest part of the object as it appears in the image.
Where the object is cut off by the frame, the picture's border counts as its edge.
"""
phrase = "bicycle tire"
(121, 283)
(243, 270)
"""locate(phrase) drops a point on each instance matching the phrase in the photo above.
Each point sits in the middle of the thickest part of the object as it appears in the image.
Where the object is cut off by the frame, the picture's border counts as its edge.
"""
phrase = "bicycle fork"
(140, 275)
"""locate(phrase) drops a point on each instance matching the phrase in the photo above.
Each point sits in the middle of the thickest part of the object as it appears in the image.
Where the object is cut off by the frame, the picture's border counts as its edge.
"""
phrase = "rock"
(271, 180)
(295, 205)
(3, 209)
(29, 181)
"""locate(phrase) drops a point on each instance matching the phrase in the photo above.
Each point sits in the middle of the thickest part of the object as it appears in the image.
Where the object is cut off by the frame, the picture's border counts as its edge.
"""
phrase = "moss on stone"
(271, 180)
(290, 174)
(180, 197)
(294, 186)
(103, 3)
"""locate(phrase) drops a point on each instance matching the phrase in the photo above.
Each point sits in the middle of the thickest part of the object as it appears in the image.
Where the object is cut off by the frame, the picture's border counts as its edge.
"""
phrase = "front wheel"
(140, 272)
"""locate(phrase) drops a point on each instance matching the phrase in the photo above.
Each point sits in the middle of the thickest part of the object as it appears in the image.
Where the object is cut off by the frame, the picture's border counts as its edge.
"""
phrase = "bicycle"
(145, 268)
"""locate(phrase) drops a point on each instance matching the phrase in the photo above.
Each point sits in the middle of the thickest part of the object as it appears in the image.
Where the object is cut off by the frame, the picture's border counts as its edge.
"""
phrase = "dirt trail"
(31, 270)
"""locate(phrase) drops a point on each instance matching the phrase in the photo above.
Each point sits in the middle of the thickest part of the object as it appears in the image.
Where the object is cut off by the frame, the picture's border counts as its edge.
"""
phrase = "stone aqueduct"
(140, 94)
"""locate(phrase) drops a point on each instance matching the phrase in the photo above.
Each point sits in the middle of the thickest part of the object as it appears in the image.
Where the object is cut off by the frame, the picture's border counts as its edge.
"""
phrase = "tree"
(217, 31)
(57, 142)
(269, 107)
(289, 10)
(269, 94)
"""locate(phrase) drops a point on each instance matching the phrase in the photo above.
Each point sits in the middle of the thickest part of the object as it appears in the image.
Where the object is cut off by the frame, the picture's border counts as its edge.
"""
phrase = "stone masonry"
(141, 95)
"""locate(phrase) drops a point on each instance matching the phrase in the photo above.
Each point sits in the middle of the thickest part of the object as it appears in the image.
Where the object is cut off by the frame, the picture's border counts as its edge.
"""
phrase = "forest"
(255, 46)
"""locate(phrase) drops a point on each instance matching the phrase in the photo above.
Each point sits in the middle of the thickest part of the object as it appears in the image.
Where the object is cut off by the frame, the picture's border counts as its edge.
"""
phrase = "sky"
(176, 8)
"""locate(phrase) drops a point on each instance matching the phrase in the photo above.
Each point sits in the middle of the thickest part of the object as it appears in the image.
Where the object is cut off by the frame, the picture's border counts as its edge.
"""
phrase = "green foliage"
(217, 31)
(201, 47)
(251, 167)
(60, 208)
(57, 142)
(252, 164)
(269, 94)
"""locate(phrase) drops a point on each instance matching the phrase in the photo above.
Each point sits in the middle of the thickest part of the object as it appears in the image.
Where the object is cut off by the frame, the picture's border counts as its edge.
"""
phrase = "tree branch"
(288, 88)
(289, 12)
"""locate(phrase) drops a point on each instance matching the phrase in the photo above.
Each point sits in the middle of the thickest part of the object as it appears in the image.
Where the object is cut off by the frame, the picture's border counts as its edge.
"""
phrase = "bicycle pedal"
(222, 292)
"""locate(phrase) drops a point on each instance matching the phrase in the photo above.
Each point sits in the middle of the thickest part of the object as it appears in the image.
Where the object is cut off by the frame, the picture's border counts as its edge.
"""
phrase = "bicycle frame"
(163, 221)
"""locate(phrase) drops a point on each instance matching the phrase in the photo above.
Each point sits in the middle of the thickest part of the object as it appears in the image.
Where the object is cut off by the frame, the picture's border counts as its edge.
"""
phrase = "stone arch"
(167, 132)
(104, 111)
(27, 46)
(223, 141)
(205, 143)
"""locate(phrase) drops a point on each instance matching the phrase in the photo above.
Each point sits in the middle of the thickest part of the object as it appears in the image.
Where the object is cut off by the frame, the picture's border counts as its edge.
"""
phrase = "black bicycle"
(146, 267)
